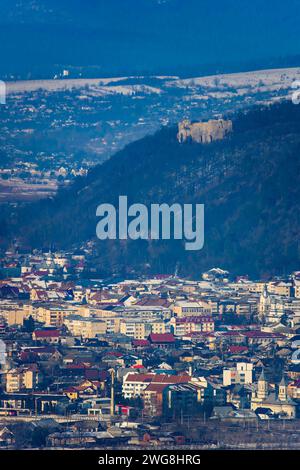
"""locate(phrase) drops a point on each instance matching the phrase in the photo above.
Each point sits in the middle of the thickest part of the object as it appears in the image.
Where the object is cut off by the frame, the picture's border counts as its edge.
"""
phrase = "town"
(145, 362)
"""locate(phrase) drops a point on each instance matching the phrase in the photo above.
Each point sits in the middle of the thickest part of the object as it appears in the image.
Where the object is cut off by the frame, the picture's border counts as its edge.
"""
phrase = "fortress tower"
(203, 132)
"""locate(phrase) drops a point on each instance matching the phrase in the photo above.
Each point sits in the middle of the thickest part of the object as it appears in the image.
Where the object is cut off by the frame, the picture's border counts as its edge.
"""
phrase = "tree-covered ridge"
(249, 184)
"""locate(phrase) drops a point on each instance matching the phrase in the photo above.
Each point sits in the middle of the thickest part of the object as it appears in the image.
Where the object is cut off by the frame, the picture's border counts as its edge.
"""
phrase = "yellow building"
(158, 327)
(189, 308)
(257, 287)
(14, 317)
(297, 288)
(135, 328)
(23, 378)
(51, 316)
(112, 324)
(185, 326)
(14, 313)
(85, 327)
(280, 288)
(54, 315)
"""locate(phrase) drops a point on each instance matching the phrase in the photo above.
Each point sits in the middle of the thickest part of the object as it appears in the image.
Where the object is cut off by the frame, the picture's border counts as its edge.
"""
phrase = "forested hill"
(249, 183)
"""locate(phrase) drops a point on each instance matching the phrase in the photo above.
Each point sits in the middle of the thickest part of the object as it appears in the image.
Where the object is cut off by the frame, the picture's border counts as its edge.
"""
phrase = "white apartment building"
(185, 308)
(135, 384)
(242, 373)
(144, 312)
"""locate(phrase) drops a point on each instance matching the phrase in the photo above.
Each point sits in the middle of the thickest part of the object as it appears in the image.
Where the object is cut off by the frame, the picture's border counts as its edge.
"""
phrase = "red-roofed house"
(237, 349)
(46, 336)
(85, 388)
(134, 384)
(140, 343)
(162, 340)
(263, 338)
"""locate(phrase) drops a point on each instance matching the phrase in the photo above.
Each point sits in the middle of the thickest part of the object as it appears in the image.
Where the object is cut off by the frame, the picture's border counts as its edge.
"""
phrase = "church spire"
(262, 386)
(282, 381)
(282, 392)
(262, 377)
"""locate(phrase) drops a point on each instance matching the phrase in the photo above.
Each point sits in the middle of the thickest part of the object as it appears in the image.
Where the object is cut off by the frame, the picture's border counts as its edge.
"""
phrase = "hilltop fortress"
(203, 132)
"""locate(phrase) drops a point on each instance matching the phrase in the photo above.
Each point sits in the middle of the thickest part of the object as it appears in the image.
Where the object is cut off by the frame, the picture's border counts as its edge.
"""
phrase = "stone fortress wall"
(203, 132)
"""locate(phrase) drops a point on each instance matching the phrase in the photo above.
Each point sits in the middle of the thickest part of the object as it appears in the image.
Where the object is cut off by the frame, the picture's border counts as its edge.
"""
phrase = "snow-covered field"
(258, 79)
(100, 84)
(215, 86)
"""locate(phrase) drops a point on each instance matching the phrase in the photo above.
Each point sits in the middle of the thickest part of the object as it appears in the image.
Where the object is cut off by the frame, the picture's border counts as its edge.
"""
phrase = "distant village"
(146, 362)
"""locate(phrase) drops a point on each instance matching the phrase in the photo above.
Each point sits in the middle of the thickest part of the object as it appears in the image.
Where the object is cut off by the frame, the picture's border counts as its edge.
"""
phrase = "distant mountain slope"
(136, 36)
(249, 183)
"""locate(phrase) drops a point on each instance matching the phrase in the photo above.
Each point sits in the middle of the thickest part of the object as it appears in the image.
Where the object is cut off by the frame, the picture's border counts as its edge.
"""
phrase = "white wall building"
(240, 374)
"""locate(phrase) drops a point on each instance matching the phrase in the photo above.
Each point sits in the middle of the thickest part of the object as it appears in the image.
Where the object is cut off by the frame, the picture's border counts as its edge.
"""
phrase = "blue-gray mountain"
(145, 36)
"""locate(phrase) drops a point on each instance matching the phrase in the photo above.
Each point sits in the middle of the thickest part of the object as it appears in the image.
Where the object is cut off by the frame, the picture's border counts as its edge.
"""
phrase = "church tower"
(282, 392)
(264, 303)
(262, 387)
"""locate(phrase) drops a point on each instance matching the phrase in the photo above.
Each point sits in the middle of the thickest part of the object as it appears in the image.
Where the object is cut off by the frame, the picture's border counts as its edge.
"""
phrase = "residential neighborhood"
(148, 362)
